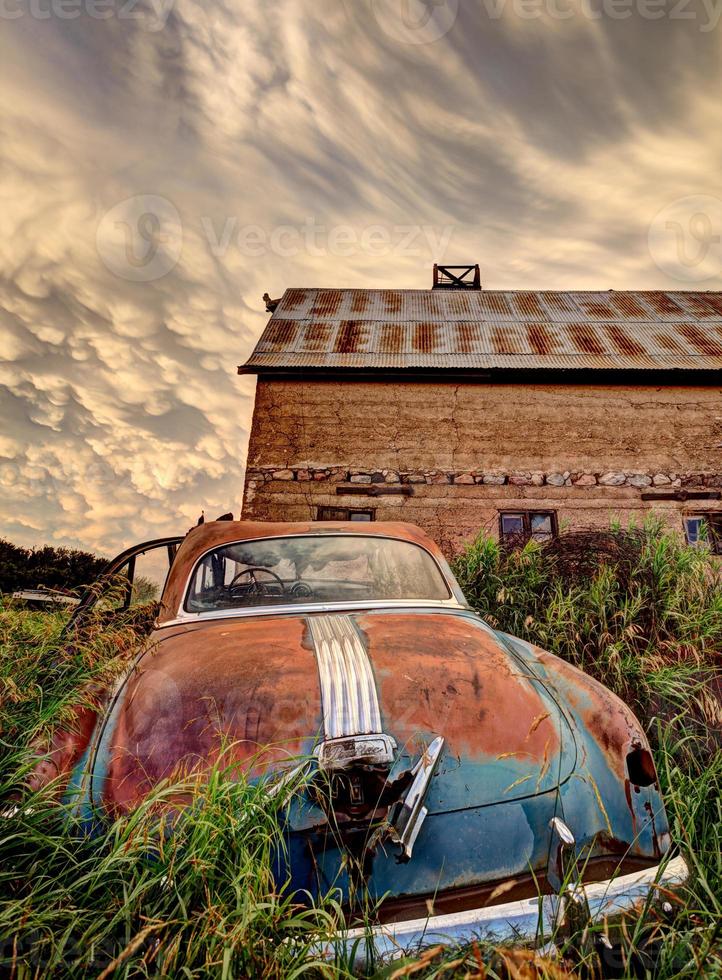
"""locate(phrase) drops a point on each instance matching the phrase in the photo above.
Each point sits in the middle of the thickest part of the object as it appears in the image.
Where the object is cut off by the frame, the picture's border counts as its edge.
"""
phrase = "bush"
(55, 568)
(641, 611)
(637, 608)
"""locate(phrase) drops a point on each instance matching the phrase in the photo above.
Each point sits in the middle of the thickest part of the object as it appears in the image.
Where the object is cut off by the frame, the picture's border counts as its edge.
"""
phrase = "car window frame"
(93, 594)
(184, 615)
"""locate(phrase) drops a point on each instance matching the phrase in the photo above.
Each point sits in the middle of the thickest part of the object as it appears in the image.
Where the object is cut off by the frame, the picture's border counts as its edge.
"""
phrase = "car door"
(129, 587)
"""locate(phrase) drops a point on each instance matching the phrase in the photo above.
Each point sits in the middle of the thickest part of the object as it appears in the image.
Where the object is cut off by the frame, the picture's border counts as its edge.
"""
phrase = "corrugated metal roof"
(460, 330)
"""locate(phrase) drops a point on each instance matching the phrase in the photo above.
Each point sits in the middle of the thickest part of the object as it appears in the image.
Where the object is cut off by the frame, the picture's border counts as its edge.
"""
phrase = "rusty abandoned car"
(506, 793)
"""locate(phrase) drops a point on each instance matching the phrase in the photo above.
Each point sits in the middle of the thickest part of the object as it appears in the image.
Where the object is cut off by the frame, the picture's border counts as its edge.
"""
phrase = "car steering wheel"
(255, 587)
(301, 590)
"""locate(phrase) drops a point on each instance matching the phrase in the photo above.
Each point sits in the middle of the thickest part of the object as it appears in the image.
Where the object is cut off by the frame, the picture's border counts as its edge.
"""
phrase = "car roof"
(214, 534)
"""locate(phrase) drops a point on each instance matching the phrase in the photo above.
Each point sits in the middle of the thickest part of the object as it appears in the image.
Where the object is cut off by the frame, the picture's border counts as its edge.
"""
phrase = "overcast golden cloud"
(164, 163)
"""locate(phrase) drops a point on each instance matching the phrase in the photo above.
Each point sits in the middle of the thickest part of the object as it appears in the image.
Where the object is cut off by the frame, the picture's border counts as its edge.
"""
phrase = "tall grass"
(138, 900)
(637, 609)
(642, 612)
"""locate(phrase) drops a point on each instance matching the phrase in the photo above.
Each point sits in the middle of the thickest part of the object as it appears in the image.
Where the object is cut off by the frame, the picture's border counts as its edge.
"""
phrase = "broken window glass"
(518, 527)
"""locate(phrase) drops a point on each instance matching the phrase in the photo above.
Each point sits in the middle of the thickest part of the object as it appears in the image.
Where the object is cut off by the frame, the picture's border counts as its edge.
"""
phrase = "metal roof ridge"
(571, 292)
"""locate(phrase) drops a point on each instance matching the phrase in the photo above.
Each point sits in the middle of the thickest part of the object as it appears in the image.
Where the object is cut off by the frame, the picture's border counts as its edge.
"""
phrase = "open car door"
(129, 586)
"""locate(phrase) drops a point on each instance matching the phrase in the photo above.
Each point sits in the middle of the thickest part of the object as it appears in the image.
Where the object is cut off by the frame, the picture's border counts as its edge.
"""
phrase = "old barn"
(459, 408)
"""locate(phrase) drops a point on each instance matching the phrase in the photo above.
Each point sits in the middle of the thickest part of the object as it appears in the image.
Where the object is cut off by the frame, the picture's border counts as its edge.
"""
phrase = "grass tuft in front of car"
(635, 608)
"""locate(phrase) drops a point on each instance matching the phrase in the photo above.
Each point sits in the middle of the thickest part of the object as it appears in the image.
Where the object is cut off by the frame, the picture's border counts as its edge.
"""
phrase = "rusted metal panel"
(663, 306)
(504, 342)
(714, 300)
(467, 337)
(316, 337)
(629, 306)
(528, 306)
(622, 341)
(541, 339)
(560, 306)
(66, 745)
(485, 362)
(586, 339)
(612, 306)
(630, 818)
(697, 305)
(279, 335)
(701, 339)
(393, 338)
(352, 336)
(427, 337)
(464, 329)
(445, 675)
(328, 302)
(245, 700)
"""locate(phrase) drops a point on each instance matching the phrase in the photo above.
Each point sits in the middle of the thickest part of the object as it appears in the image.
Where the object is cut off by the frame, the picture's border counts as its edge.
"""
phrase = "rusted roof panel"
(457, 329)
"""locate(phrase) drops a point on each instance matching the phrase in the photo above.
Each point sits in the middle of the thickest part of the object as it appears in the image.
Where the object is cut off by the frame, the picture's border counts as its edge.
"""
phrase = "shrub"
(55, 568)
(636, 607)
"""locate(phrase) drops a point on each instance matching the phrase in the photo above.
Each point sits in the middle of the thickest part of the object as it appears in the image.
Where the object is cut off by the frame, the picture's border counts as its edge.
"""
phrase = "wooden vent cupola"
(457, 277)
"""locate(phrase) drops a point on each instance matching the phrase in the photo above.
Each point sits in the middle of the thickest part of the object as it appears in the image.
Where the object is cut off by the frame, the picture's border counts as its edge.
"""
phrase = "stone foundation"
(567, 478)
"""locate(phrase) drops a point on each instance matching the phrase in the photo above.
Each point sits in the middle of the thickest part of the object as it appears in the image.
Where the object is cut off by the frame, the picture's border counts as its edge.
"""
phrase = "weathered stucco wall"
(468, 450)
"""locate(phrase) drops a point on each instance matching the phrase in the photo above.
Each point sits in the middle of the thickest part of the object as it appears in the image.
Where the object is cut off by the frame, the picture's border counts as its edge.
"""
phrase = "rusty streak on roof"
(377, 329)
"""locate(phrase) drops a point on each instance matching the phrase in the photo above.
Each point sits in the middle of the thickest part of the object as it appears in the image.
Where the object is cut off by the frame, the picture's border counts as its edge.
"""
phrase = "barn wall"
(469, 450)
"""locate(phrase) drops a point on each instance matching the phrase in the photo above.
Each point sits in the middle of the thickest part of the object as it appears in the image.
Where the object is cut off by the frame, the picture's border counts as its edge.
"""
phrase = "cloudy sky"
(163, 164)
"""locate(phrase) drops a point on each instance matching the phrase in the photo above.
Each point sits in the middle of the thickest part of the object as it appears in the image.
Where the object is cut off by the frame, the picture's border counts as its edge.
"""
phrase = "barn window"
(344, 514)
(704, 529)
(518, 527)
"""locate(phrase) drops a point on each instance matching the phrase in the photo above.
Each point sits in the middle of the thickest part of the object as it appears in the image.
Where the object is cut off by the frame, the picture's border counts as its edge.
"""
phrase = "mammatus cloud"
(161, 171)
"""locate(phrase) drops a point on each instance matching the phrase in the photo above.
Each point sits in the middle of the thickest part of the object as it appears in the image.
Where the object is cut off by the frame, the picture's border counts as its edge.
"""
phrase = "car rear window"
(302, 570)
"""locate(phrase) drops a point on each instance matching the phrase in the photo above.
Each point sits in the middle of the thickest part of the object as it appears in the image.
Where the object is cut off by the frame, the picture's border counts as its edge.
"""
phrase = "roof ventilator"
(457, 277)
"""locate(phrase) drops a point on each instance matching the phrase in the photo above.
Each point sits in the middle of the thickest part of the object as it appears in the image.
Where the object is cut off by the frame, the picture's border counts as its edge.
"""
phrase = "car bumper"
(531, 922)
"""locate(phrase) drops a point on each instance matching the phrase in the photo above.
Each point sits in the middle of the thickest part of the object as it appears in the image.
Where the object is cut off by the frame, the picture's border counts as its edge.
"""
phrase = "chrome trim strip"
(348, 691)
(407, 822)
(302, 609)
(624, 893)
(528, 922)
